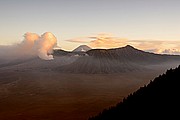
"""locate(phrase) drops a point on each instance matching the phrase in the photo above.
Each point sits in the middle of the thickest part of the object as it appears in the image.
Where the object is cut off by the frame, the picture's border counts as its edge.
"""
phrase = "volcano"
(82, 48)
(124, 59)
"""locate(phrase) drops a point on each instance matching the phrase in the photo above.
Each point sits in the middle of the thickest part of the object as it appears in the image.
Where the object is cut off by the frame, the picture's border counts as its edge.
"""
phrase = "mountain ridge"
(116, 60)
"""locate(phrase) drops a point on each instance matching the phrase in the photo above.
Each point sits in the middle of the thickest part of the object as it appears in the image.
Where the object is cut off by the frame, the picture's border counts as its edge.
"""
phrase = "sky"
(138, 21)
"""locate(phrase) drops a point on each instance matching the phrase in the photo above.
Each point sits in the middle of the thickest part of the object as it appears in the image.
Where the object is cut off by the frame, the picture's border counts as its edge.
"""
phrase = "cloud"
(45, 45)
(32, 45)
(145, 44)
(79, 40)
(155, 46)
(107, 41)
(102, 40)
(171, 51)
(166, 51)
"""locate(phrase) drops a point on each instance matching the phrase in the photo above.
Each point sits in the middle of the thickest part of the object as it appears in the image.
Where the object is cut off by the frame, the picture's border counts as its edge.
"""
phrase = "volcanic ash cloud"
(40, 45)
(33, 45)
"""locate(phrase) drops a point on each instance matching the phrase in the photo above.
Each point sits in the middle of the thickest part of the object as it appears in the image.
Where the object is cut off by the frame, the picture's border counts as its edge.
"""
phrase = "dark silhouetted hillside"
(159, 99)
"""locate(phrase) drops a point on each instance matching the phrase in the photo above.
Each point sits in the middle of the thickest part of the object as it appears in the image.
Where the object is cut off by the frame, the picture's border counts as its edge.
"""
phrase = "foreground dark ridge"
(159, 99)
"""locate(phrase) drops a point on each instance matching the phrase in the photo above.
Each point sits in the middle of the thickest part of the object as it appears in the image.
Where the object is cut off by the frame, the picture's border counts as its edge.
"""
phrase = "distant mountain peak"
(82, 48)
(129, 46)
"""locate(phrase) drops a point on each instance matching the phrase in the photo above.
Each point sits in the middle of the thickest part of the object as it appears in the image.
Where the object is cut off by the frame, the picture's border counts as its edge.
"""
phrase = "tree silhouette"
(158, 99)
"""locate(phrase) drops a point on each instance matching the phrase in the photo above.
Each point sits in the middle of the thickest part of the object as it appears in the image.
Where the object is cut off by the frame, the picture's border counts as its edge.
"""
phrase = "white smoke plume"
(32, 45)
(45, 45)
